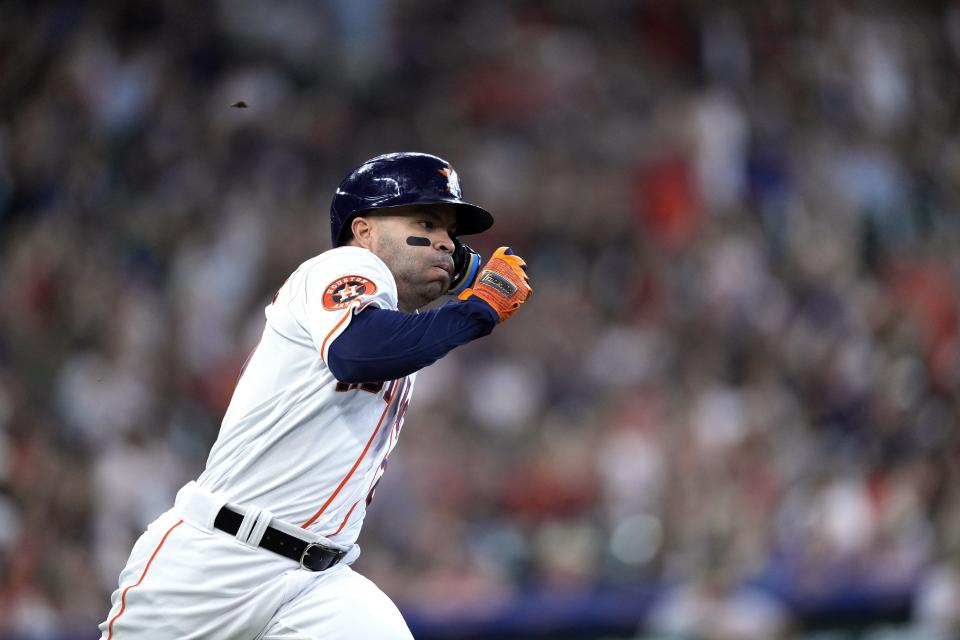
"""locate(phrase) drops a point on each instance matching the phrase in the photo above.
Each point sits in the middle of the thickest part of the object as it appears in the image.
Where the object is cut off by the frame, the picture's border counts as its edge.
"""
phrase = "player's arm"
(380, 344)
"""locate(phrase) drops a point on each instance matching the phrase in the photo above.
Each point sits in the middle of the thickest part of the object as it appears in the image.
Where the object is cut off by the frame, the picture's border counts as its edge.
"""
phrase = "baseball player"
(260, 545)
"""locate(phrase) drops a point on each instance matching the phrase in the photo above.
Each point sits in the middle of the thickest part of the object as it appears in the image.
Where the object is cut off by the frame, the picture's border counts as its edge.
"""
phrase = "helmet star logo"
(453, 180)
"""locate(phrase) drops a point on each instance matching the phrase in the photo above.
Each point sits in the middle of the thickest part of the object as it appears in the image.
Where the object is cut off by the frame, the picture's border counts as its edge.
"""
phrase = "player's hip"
(185, 578)
(327, 503)
(180, 582)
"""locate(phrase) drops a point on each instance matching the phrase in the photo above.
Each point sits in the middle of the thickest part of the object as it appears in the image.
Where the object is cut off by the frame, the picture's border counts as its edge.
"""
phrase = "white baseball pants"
(186, 580)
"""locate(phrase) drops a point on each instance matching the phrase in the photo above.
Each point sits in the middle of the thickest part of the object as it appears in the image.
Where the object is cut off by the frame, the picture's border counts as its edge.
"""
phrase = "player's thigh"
(339, 604)
(184, 583)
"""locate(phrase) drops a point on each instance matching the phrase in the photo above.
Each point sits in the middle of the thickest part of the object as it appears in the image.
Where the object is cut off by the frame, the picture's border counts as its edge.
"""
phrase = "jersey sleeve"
(387, 345)
(326, 293)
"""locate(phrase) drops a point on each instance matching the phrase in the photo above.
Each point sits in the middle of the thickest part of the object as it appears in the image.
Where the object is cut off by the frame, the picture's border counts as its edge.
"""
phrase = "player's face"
(422, 270)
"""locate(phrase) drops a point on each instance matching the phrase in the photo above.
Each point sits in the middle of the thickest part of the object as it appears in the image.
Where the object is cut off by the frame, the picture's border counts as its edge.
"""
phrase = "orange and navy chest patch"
(342, 291)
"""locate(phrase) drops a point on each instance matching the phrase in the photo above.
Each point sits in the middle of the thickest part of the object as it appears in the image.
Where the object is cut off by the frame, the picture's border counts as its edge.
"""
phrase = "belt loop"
(250, 519)
(259, 528)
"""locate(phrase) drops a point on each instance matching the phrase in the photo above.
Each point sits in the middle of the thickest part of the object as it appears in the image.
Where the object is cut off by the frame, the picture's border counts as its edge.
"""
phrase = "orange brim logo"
(453, 181)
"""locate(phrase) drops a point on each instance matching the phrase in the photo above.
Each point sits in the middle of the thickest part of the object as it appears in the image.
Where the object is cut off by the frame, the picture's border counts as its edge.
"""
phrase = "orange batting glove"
(502, 283)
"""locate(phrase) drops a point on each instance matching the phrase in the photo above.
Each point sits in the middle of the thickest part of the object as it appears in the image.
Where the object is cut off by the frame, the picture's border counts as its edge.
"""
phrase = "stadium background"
(730, 409)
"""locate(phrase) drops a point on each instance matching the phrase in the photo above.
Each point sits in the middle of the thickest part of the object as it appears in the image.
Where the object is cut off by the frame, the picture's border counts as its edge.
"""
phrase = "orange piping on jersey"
(345, 519)
(397, 383)
(323, 346)
(123, 596)
(349, 473)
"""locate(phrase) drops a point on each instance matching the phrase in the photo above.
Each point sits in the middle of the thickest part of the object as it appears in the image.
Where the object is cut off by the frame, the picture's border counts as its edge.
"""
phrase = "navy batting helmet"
(399, 180)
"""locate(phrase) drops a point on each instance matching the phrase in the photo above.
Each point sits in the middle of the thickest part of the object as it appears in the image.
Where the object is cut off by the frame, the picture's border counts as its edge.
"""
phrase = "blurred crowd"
(739, 374)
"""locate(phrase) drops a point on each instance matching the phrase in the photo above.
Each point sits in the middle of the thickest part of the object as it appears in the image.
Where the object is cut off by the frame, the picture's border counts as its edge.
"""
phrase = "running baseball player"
(260, 545)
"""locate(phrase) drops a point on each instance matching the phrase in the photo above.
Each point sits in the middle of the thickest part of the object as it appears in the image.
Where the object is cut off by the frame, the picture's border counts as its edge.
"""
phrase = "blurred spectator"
(715, 606)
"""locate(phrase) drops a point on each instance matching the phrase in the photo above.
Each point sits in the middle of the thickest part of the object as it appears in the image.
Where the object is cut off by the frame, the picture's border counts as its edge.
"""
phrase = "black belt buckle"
(326, 559)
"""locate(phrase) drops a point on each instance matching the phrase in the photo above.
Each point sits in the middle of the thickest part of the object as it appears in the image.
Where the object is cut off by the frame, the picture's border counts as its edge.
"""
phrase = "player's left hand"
(466, 265)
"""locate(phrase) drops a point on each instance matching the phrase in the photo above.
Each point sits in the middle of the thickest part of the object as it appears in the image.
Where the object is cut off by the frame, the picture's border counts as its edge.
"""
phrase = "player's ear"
(362, 230)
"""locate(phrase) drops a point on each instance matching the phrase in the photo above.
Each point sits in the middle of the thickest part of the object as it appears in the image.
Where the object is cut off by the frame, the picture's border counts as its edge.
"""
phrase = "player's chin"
(439, 276)
(435, 288)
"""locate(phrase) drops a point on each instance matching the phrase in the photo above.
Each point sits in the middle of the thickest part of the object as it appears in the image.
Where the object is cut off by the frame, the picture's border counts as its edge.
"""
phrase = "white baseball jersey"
(294, 440)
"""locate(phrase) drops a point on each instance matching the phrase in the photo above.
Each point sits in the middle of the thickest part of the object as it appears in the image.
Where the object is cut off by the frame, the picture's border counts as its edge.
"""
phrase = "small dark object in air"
(239, 105)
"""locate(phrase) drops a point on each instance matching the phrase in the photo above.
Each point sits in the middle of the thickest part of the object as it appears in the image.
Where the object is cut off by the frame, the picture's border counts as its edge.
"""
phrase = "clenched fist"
(502, 283)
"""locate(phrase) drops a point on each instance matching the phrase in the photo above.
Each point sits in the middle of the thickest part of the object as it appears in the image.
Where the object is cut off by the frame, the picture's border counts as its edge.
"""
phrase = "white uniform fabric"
(296, 450)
